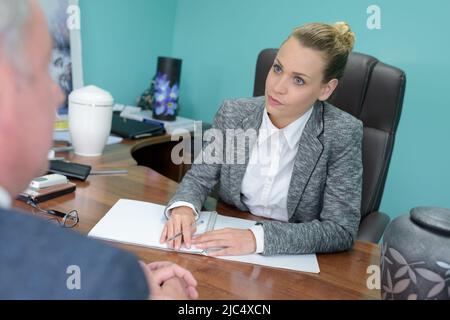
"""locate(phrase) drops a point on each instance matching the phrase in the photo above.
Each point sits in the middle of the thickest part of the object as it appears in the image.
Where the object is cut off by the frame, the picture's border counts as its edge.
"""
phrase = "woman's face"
(295, 83)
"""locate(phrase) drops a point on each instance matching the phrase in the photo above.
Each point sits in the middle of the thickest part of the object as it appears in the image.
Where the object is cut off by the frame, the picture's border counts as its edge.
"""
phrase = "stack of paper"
(65, 136)
(171, 127)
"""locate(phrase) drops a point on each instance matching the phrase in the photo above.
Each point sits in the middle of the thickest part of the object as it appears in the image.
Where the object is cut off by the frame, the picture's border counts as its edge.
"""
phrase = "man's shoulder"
(38, 258)
(20, 225)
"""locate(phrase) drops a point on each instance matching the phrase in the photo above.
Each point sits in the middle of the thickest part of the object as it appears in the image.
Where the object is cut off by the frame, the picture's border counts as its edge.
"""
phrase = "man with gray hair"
(36, 257)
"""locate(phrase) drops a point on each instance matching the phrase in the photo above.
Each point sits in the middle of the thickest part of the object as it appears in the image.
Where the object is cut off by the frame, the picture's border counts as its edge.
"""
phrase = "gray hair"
(14, 15)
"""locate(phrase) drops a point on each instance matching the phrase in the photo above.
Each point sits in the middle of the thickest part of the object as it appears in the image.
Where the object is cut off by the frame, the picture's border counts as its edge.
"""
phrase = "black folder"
(132, 129)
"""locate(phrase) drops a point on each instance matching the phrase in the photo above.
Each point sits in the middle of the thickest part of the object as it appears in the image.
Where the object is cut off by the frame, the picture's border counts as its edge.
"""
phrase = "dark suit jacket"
(36, 256)
(324, 197)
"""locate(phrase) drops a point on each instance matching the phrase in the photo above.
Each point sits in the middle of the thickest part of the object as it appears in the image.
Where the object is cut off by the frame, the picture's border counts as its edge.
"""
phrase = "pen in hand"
(181, 233)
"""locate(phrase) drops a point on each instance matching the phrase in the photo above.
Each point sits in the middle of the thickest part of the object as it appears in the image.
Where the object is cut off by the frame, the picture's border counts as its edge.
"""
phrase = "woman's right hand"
(182, 219)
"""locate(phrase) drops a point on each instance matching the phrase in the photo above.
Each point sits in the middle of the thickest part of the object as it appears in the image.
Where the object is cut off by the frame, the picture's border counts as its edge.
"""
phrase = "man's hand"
(172, 289)
(226, 242)
(168, 280)
(182, 219)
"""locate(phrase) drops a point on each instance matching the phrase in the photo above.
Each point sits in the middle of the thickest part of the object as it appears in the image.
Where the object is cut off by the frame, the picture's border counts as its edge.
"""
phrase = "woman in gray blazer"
(303, 170)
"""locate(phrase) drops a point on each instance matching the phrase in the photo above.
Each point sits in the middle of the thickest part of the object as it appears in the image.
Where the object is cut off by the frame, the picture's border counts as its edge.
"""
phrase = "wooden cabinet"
(158, 158)
(155, 153)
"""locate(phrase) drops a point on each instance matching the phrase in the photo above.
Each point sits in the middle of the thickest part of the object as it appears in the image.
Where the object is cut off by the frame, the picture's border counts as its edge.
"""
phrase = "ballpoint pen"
(63, 149)
(107, 172)
(181, 233)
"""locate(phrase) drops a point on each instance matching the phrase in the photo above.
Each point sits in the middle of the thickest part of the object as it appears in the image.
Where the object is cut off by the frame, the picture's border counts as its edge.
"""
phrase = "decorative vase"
(90, 117)
(415, 257)
(162, 97)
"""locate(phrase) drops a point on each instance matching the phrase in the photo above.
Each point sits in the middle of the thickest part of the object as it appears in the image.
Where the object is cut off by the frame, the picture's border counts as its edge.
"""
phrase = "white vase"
(90, 118)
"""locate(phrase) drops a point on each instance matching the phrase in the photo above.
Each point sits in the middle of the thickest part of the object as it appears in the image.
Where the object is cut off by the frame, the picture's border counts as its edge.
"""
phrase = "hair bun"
(346, 36)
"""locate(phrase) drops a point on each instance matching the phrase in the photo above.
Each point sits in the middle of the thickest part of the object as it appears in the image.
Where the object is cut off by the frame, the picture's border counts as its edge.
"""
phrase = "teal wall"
(219, 41)
(121, 41)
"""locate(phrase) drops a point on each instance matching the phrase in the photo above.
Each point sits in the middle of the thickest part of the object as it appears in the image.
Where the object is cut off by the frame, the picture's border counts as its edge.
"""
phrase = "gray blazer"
(324, 198)
(36, 256)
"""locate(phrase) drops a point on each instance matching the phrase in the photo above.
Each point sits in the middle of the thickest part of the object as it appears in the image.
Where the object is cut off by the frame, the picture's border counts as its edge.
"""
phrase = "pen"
(63, 149)
(181, 233)
(107, 172)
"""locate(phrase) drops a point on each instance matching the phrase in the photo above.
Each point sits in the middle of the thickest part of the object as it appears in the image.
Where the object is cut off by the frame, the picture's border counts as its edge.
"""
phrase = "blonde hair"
(335, 42)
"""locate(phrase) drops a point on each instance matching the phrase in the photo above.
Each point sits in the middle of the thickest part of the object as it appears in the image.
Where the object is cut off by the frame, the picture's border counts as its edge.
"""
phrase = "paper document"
(141, 223)
(65, 136)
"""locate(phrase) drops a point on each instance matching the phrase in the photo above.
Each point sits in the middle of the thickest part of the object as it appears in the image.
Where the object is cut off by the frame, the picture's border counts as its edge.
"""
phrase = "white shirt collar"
(5, 199)
(292, 132)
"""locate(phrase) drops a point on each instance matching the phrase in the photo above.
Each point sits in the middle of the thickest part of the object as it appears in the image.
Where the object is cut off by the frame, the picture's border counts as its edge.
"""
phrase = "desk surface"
(343, 275)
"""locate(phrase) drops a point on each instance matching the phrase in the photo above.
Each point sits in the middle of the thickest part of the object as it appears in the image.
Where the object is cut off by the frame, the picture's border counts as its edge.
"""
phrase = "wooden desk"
(343, 275)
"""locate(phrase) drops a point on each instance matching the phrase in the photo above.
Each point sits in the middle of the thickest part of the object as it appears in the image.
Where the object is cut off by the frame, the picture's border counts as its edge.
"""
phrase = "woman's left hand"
(226, 242)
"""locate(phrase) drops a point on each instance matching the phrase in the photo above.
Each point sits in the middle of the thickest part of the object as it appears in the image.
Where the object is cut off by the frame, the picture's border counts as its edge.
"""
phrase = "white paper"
(65, 136)
(141, 223)
(136, 222)
(306, 263)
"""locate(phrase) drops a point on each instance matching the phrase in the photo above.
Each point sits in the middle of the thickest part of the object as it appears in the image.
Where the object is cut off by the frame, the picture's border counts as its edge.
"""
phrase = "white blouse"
(266, 181)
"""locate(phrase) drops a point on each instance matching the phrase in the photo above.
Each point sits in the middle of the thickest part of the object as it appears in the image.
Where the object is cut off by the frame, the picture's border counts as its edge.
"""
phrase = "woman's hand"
(227, 242)
(182, 219)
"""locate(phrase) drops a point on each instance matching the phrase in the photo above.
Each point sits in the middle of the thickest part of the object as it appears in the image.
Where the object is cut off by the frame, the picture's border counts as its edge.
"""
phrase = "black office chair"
(373, 92)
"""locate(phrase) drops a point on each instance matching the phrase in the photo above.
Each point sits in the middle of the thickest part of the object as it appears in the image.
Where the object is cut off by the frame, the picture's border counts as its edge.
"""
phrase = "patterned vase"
(162, 96)
(166, 88)
(415, 260)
